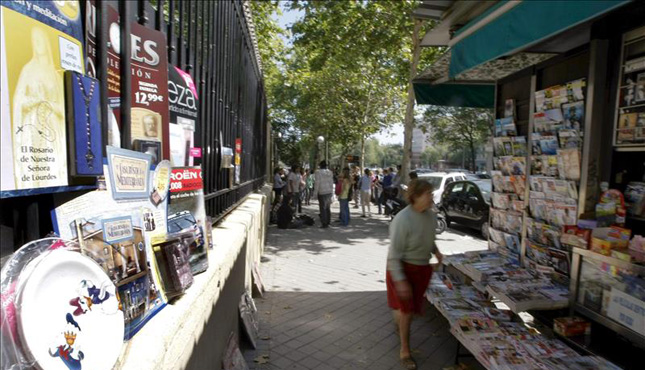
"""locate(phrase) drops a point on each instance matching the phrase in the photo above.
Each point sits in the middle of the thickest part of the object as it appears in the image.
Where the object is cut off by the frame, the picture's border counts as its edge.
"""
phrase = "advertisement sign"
(38, 42)
(627, 310)
(187, 213)
(182, 104)
(149, 121)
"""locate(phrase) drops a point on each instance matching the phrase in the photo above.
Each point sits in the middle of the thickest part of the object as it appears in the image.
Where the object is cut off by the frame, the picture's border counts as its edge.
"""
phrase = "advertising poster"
(182, 104)
(187, 213)
(238, 159)
(38, 42)
(149, 93)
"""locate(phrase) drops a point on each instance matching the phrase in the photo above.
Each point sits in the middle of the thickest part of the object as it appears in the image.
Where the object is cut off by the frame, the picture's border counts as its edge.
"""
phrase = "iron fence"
(212, 41)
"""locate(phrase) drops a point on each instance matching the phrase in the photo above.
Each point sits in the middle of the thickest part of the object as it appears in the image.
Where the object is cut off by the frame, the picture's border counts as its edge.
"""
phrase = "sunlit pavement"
(325, 305)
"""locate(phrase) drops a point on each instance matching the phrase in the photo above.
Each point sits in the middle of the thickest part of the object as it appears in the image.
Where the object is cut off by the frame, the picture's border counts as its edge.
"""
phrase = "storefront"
(566, 83)
(130, 136)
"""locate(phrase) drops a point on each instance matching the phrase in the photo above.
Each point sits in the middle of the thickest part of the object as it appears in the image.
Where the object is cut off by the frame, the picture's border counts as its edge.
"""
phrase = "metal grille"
(211, 41)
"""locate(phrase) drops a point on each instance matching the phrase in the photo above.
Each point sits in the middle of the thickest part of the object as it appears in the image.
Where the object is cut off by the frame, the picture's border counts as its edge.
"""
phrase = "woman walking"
(412, 243)
(345, 196)
(310, 187)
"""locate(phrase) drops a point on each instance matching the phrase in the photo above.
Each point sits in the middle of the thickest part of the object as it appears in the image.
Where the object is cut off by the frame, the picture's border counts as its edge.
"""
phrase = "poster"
(39, 41)
(238, 159)
(149, 91)
(182, 104)
(187, 213)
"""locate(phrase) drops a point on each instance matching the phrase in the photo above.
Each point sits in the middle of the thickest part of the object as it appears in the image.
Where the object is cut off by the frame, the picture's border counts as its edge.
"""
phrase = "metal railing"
(212, 41)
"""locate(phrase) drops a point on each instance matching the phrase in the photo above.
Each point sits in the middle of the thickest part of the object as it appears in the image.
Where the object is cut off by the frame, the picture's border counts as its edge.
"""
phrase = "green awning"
(525, 24)
(455, 94)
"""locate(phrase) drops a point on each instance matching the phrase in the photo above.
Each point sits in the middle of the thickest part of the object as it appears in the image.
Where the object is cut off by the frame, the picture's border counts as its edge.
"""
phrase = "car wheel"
(484, 230)
(445, 217)
(441, 226)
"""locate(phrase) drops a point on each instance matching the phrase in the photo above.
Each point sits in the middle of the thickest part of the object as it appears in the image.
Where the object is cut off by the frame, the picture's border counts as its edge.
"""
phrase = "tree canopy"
(345, 74)
(459, 128)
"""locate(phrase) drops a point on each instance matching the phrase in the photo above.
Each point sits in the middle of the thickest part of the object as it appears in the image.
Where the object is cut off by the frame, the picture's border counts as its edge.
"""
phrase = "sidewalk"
(325, 305)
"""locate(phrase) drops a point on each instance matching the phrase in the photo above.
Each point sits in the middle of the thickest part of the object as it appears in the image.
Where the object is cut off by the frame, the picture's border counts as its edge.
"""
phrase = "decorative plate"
(68, 314)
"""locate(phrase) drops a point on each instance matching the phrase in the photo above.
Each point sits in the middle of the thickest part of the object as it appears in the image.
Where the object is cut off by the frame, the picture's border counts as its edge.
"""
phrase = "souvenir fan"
(59, 310)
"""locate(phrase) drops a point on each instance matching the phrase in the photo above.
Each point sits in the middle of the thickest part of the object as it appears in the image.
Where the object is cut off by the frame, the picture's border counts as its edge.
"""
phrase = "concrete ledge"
(168, 340)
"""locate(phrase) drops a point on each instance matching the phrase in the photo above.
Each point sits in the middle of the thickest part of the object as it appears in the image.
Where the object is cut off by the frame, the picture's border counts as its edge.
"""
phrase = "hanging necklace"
(89, 155)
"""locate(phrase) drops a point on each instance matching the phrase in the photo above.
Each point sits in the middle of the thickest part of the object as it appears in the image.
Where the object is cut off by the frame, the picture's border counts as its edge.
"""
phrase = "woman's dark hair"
(323, 165)
(277, 170)
(417, 188)
(367, 171)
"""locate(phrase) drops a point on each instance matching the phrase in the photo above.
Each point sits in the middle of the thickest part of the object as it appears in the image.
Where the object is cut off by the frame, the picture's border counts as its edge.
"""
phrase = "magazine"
(519, 146)
(512, 242)
(555, 116)
(500, 147)
(569, 138)
(625, 135)
(536, 149)
(508, 127)
(550, 165)
(517, 166)
(569, 163)
(500, 201)
(498, 181)
(574, 115)
(575, 89)
(519, 185)
(537, 165)
(627, 120)
(549, 145)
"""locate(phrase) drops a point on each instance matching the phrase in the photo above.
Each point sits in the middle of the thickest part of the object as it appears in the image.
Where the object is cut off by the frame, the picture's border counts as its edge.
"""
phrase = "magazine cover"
(536, 149)
(518, 166)
(500, 201)
(574, 115)
(519, 146)
(498, 181)
(512, 242)
(500, 148)
(537, 165)
(575, 89)
(569, 163)
(625, 135)
(555, 116)
(508, 127)
(35, 51)
(569, 138)
(550, 165)
(519, 185)
(627, 120)
(549, 145)
(187, 213)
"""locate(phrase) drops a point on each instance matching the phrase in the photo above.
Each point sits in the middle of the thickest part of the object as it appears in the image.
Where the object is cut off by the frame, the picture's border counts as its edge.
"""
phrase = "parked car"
(467, 203)
(439, 180)
(477, 176)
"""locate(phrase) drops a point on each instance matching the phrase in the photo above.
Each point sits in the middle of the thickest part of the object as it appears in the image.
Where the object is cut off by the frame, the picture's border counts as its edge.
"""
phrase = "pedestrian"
(310, 187)
(278, 185)
(345, 195)
(303, 185)
(387, 187)
(365, 185)
(396, 182)
(323, 190)
(356, 177)
(293, 188)
(412, 243)
(378, 190)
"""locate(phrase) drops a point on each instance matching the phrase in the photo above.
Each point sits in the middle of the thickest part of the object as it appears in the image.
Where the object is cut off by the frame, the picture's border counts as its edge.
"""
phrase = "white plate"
(45, 308)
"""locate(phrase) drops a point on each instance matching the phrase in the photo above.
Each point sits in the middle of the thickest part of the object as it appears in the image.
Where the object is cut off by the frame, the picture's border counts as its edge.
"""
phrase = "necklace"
(89, 155)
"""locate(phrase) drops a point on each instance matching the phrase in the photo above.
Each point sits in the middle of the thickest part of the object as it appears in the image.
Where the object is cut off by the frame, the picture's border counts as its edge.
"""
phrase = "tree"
(431, 156)
(459, 128)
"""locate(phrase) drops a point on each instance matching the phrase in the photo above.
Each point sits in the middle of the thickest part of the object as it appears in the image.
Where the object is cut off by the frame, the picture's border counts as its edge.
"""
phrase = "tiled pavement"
(325, 305)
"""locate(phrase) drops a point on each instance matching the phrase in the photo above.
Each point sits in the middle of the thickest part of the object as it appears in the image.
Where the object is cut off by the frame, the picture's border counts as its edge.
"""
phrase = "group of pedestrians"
(295, 189)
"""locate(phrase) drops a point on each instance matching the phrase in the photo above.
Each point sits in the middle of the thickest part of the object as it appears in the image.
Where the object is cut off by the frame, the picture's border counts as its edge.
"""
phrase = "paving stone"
(326, 306)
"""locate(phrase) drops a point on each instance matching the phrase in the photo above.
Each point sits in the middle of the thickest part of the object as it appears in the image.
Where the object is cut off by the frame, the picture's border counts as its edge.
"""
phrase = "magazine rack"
(629, 123)
(604, 289)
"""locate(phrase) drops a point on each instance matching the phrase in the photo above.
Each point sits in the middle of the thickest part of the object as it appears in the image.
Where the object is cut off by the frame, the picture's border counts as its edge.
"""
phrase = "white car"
(439, 180)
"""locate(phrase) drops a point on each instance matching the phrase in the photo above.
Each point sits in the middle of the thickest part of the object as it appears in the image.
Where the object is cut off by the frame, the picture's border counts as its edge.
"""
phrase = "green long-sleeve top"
(412, 240)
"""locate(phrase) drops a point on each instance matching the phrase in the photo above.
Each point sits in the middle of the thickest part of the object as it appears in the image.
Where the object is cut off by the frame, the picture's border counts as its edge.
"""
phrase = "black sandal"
(409, 363)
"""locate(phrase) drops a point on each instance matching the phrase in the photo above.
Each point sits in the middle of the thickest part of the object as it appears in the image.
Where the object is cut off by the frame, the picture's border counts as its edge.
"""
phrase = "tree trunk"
(472, 157)
(409, 112)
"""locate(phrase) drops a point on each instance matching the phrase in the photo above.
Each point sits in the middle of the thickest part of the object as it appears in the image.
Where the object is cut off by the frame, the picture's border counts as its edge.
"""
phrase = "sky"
(392, 136)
